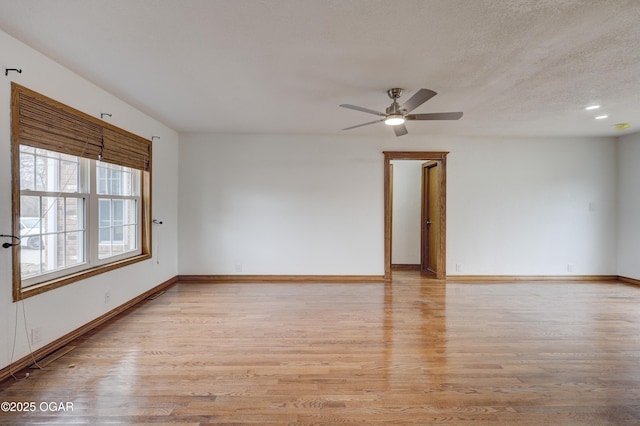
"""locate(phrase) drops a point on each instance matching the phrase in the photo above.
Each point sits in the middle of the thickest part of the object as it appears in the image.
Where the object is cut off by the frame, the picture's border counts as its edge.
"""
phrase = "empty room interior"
(320, 212)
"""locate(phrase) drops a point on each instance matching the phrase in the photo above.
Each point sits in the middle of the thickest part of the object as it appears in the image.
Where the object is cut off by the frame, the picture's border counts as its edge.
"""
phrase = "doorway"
(433, 211)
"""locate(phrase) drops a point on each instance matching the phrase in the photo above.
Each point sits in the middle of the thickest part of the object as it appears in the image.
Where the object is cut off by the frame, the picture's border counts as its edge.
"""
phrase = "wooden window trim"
(76, 136)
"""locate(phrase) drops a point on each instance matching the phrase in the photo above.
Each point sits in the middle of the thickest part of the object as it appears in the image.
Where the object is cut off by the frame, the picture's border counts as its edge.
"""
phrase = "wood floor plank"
(412, 351)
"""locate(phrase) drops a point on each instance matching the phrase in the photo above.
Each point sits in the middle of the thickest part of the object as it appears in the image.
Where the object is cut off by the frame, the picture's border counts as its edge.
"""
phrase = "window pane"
(52, 214)
(67, 157)
(27, 171)
(50, 252)
(132, 212)
(69, 176)
(55, 238)
(101, 177)
(74, 214)
(117, 245)
(52, 217)
(30, 207)
(74, 251)
(104, 220)
(31, 240)
(41, 174)
(130, 239)
(30, 263)
(45, 171)
(47, 153)
(105, 235)
(118, 212)
(105, 212)
(116, 180)
(117, 226)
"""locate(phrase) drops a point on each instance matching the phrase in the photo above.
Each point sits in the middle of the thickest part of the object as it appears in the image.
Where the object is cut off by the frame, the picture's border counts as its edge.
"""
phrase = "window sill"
(34, 290)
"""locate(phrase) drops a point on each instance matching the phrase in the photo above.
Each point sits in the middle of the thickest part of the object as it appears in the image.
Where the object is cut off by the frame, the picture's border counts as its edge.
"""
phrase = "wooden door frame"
(441, 157)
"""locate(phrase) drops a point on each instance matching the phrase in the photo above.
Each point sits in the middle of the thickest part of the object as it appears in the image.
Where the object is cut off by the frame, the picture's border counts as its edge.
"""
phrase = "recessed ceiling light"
(589, 108)
(600, 117)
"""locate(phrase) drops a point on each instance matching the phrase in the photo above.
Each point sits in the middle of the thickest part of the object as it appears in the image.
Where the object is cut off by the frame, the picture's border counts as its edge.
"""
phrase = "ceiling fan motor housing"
(394, 109)
(394, 93)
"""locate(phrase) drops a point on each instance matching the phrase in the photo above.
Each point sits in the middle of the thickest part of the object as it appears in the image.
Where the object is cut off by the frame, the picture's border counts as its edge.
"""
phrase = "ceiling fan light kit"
(395, 115)
(394, 120)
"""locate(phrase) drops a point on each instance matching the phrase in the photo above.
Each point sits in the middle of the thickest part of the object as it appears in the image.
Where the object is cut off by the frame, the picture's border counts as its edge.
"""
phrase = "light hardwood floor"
(412, 351)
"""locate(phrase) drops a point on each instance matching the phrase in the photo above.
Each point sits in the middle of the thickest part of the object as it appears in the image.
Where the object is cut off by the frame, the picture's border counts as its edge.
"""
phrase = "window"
(52, 207)
(81, 194)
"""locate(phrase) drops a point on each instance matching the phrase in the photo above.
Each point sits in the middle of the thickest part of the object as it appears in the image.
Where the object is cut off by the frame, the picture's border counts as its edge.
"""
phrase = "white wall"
(629, 206)
(532, 207)
(407, 209)
(279, 205)
(269, 204)
(60, 311)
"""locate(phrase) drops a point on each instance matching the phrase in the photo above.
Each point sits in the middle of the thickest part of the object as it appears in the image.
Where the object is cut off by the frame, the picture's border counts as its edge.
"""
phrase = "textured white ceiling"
(514, 67)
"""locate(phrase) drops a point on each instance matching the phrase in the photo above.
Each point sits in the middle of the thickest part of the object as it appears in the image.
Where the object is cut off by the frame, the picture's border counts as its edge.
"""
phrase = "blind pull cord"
(157, 222)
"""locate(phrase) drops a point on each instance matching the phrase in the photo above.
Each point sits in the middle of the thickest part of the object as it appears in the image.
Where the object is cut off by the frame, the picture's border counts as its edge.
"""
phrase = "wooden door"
(430, 218)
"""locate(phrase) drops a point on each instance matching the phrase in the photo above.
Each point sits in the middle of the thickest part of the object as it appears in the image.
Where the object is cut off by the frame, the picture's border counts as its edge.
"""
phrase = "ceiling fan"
(396, 115)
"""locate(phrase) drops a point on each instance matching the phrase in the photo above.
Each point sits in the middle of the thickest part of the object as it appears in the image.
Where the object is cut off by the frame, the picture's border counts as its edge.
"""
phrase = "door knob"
(428, 222)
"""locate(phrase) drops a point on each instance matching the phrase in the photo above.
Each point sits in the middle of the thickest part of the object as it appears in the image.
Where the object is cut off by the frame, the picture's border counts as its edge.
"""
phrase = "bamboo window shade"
(42, 122)
(126, 149)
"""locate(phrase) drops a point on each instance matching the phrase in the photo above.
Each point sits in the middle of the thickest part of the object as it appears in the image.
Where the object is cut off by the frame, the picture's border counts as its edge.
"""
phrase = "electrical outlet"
(458, 267)
(238, 267)
(36, 335)
(569, 267)
(107, 297)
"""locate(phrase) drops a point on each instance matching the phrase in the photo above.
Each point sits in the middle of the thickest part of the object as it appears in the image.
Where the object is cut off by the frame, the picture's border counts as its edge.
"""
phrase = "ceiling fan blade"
(420, 97)
(363, 124)
(435, 116)
(361, 109)
(400, 130)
